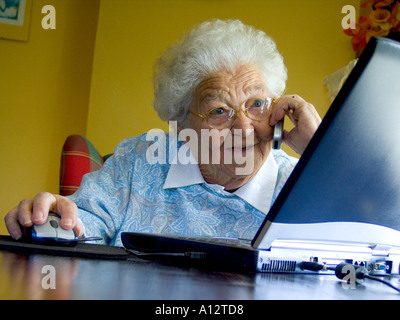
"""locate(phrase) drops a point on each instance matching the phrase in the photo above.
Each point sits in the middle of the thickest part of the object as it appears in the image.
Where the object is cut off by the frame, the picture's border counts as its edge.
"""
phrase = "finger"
(277, 112)
(46, 202)
(285, 105)
(290, 106)
(297, 106)
(68, 211)
(289, 138)
(24, 213)
(79, 229)
(12, 225)
(42, 204)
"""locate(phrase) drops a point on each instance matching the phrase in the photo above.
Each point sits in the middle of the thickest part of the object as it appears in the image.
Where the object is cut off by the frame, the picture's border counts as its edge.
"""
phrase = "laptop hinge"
(380, 250)
(260, 236)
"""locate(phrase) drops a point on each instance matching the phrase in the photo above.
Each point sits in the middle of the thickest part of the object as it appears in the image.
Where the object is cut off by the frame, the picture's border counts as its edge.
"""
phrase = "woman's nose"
(242, 121)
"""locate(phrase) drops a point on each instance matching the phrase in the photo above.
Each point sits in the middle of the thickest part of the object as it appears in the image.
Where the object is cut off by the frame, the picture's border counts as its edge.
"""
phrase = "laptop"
(342, 201)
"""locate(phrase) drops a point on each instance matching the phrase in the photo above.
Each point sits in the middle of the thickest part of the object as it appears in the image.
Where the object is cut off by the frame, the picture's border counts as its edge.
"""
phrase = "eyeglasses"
(224, 116)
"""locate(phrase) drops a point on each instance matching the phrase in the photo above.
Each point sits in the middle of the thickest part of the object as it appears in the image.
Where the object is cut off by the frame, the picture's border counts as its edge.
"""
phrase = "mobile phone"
(278, 129)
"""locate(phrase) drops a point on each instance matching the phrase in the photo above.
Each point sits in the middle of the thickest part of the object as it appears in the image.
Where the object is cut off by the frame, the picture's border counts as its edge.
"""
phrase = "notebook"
(342, 201)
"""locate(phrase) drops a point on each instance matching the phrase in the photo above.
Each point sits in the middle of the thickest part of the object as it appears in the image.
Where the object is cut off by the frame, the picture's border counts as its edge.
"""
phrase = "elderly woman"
(225, 79)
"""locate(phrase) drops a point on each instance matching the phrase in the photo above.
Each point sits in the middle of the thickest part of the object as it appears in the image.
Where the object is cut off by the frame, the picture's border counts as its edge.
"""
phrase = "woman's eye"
(258, 103)
(217, 111)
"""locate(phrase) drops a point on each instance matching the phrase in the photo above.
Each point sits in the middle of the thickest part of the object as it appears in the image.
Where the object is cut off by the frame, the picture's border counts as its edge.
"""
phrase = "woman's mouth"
(239, 152)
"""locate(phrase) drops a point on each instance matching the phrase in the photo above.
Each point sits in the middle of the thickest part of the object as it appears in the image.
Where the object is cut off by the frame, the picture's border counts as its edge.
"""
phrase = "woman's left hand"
(302, 114)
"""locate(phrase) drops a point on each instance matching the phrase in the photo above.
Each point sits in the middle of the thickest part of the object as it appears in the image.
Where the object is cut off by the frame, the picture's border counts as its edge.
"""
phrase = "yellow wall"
(48, 88)
(44, 94)
(132, 33)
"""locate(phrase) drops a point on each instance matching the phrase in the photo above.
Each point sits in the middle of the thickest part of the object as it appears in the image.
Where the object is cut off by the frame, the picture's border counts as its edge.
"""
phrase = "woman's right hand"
(35, 211)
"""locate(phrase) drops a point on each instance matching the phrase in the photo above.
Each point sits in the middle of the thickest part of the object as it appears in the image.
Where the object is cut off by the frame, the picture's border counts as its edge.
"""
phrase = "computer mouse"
(50, 232)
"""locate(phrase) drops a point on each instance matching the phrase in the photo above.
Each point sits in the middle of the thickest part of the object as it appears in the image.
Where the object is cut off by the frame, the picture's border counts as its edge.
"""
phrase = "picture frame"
(15, 18)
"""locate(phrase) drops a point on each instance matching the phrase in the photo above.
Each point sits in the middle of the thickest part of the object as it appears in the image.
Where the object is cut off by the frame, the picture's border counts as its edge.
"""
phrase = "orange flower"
(396, 11)
(384, 3)
(383, 20)
(367, 3)
(376, 33)
(396, 17)
(359, 34)
(377, 3)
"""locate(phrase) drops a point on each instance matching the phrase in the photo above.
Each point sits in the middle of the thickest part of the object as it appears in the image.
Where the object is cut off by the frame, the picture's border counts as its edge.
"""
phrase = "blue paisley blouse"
(136, 192)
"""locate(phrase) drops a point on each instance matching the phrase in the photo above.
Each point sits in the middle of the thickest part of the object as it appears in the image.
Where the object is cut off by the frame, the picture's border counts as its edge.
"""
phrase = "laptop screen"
(351, 169)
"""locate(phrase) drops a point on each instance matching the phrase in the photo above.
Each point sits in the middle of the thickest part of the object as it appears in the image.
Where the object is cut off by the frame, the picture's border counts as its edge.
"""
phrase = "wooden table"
(30, 276)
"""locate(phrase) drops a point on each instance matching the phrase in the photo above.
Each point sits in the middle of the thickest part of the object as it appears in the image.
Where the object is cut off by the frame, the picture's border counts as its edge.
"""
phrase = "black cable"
(382, 281)
(360, 272)
(311, 266)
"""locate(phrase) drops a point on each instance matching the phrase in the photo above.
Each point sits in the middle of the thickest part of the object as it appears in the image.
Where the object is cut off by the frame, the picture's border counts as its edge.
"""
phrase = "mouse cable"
(361, 272)
(382, 281)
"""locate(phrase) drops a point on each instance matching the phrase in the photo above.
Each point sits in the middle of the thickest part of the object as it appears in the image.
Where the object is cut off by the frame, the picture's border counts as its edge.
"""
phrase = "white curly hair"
(209, 47)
